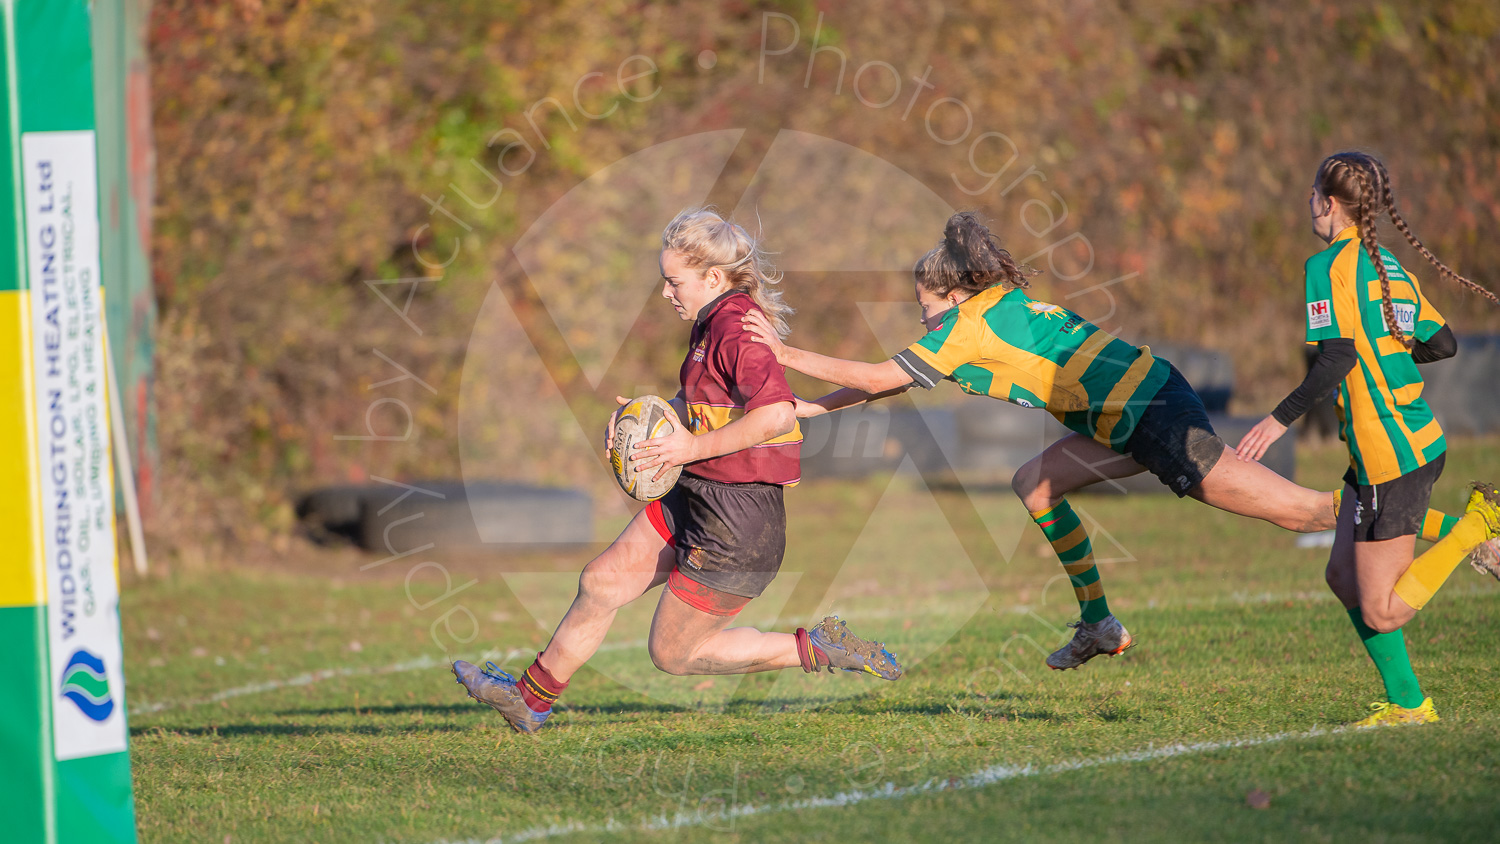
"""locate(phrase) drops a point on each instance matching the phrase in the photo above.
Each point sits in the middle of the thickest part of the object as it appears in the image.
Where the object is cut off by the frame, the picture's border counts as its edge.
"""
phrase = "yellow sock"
(1427, 572)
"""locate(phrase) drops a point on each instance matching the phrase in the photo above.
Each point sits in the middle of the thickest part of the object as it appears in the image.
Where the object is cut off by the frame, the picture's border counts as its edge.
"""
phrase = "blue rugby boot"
(498, 689)
(829, 645)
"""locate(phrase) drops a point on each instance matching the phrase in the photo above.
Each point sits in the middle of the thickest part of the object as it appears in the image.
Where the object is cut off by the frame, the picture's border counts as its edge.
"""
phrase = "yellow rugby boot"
(1485, 500)
(1486, 557)
(1384, 714)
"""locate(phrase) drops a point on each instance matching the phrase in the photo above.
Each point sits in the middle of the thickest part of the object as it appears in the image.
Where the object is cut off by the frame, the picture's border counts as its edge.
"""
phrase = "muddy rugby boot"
(498, 689)
(830, 645)
(1486, 557)
(1485, 499)
(1106, 636)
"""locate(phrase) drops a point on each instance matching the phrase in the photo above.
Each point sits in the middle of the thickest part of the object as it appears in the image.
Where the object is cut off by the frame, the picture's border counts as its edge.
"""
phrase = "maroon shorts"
(730, 539)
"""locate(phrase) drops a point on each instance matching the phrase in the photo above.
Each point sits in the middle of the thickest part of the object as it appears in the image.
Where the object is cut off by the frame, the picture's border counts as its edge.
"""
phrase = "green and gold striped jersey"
(1003, 344)
(1382, 416)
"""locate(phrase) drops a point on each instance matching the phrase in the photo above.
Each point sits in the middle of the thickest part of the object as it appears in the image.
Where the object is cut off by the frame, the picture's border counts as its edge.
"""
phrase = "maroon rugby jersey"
(726, 374)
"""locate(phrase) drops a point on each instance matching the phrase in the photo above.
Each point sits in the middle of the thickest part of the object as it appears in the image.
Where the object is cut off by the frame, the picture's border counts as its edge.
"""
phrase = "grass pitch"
(311, 703)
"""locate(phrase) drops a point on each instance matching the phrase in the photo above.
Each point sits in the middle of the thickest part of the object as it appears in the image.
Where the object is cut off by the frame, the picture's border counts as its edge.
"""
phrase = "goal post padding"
(63, 733)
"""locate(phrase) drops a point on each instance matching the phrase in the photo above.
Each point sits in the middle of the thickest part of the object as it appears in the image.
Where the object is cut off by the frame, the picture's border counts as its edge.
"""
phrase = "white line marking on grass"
(979, 779)
(423, 663)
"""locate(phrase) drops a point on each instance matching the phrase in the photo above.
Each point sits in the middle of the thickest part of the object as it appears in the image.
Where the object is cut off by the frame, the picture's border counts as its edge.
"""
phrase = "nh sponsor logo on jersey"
(1319, 314)
(1406, 317)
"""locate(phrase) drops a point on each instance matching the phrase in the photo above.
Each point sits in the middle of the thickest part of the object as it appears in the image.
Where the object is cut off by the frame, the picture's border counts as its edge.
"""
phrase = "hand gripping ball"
(642, 419)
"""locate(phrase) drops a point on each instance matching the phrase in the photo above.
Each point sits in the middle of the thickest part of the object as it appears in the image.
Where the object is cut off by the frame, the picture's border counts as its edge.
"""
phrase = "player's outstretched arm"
(842, 398)
(682, 446)
(870, 378)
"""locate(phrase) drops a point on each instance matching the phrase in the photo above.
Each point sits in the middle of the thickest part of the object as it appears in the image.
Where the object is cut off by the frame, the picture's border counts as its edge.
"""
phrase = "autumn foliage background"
(296, 142)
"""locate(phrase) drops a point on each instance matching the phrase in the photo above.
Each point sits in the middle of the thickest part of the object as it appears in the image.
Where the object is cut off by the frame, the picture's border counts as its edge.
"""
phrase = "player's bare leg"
(1404, 702)
(633, 564)
(1071, 463)
(1340, 573)
(686, 640)
(1245, 489)
(1377, 567)
(637, 561)
(1250, 489)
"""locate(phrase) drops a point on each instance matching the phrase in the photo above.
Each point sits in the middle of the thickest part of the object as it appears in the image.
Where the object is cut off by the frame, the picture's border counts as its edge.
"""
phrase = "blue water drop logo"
(85, 683)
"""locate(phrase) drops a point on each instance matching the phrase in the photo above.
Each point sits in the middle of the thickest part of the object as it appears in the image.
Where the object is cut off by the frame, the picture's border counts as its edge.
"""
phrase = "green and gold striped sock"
(1436, 525)
(1065, 533)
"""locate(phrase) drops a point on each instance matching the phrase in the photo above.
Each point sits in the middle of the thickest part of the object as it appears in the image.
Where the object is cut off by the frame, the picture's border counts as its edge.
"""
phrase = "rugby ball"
(642, 419)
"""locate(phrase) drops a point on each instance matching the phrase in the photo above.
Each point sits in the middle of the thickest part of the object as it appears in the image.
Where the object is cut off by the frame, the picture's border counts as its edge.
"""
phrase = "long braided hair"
(969, 258)
(1359, 181)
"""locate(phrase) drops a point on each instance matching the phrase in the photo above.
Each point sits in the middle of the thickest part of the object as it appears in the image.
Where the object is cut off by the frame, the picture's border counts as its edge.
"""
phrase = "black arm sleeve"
(1440, 346)
(1336, 358)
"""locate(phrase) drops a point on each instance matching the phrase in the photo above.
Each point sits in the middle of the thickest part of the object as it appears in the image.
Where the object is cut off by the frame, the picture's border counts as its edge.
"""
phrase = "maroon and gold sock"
(539, 688)
(813, 658)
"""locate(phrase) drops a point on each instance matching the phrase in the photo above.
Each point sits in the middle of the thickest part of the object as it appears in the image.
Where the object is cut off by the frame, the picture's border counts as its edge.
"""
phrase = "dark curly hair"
(969, 258)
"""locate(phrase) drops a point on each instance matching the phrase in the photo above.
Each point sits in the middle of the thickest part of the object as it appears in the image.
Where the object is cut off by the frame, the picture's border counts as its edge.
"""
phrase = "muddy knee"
(668, 658)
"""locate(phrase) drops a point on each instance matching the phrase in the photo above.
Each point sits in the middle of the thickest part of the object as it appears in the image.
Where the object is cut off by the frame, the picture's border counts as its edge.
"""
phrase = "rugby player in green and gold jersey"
(1128, 411)
(1362, 306)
